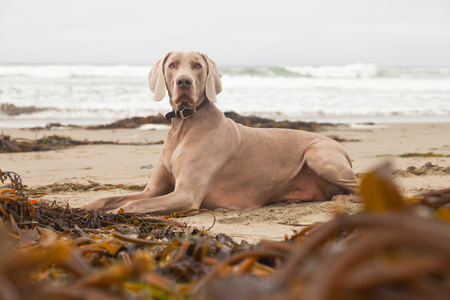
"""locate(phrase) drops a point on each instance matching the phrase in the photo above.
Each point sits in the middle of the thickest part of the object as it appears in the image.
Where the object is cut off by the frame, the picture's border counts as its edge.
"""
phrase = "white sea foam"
(70, 71)
(80, 94)
(153, 127)
(350, 71)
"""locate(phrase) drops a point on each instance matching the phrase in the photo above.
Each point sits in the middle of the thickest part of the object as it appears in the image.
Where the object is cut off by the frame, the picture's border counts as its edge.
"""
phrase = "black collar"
(185, 112)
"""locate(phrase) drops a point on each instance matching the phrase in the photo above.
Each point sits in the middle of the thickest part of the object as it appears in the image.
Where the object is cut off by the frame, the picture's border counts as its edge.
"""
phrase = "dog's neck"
(204, 119)
(185, 113)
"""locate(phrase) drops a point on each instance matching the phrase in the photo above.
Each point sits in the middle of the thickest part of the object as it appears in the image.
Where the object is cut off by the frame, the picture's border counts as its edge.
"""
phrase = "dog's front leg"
(178, 200)
(110, 203)
(160, 184)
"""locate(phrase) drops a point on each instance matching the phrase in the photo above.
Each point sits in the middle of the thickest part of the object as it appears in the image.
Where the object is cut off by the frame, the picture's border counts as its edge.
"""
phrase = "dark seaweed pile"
(251, 121)
(52, 142)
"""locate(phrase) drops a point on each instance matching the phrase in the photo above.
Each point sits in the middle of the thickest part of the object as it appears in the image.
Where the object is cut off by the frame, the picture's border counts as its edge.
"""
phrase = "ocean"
(358, 93)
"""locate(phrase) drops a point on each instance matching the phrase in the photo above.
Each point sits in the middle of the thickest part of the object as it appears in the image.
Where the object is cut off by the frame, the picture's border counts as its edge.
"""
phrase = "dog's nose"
(184, 82)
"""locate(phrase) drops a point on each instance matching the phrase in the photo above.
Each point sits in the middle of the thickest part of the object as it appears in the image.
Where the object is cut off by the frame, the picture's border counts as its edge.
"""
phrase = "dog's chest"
(171, 154)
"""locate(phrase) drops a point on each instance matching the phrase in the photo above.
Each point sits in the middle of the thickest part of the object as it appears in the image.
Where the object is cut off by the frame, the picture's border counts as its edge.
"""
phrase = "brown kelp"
(251, 121)
(52, 142)
(415, 154)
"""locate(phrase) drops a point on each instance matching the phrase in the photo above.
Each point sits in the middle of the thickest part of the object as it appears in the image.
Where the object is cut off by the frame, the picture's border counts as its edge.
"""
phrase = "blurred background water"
(96, 94)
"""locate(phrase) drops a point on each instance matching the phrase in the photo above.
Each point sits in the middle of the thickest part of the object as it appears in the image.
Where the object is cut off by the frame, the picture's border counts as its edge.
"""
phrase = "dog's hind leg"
(329, 161)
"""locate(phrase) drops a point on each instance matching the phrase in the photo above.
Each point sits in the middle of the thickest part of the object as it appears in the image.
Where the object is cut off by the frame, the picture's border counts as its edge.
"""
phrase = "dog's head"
(189, 78)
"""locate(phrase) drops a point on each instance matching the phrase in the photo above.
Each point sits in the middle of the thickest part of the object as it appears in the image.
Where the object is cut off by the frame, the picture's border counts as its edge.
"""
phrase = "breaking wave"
(358, 70)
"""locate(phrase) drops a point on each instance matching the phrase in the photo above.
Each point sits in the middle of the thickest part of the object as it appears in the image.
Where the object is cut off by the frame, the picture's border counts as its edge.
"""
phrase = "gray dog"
(210, 161)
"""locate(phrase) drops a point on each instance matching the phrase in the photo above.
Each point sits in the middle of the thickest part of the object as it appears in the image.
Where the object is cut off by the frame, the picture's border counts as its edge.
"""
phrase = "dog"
(209, 161)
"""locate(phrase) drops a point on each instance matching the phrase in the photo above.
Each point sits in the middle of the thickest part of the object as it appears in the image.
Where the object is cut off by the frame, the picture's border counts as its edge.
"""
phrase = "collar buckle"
(186, 113)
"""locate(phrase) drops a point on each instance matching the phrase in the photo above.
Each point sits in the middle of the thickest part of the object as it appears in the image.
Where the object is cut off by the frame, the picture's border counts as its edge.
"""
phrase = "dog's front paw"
(98, 205)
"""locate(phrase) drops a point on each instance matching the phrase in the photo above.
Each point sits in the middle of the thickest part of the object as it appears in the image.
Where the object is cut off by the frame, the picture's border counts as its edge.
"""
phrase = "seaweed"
(342, 140)
(134, 122)
(52, 142)
(258, 122)
(397, 248)
(80, 187)
(413, 154)
(251, 121)
(429, 154)
(426, 169)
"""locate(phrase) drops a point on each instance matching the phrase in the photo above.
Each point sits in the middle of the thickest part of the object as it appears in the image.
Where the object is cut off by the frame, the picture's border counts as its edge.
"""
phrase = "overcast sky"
(296, 32)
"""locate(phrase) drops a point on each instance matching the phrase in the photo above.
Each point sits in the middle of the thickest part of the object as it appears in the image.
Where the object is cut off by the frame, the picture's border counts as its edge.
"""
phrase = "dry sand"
(126, 164)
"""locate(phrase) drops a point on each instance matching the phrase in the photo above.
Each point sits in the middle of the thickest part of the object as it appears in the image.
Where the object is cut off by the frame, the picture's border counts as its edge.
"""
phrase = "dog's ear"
(156, 80)
(213, 83)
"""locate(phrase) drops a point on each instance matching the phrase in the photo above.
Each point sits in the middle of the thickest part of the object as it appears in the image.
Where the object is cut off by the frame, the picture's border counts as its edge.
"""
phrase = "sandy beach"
(368, 145)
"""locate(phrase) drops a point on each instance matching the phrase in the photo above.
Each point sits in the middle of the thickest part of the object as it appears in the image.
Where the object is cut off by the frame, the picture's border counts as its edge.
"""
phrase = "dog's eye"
(172, 65)
(198, 66)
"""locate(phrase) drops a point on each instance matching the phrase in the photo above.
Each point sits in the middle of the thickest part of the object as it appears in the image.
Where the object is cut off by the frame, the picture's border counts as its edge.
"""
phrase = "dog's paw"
(97, 205)
(89, 206)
